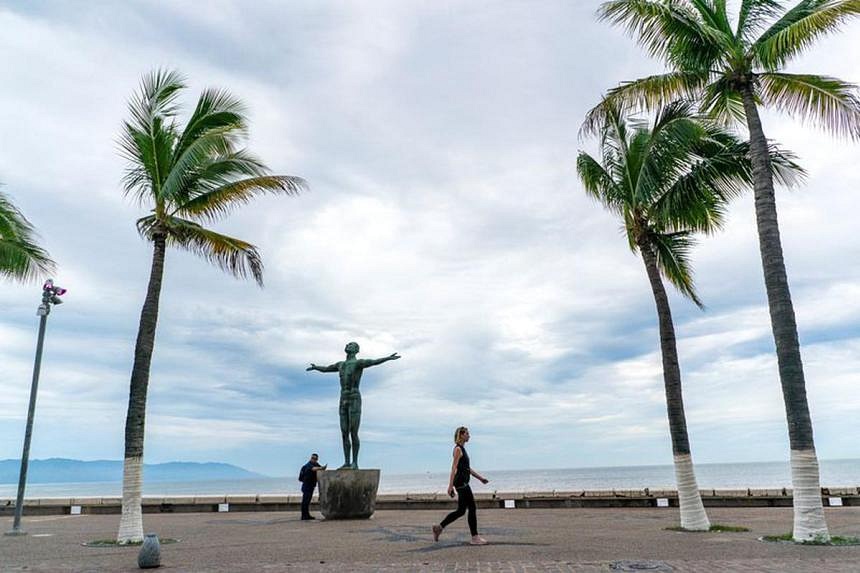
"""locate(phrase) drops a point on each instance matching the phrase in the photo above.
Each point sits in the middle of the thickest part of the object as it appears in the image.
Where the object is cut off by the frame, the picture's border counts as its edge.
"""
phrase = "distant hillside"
(59, 470)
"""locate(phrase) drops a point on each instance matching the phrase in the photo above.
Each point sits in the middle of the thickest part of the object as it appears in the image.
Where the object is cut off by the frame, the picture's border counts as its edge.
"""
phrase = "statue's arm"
(374, 362)
(329, 368)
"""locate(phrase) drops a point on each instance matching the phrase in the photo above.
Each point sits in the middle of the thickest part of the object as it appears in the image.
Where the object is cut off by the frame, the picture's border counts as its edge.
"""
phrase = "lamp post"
(50, 295)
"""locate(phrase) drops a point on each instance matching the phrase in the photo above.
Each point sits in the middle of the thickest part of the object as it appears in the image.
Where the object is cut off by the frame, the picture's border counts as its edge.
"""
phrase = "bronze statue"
(350, 399)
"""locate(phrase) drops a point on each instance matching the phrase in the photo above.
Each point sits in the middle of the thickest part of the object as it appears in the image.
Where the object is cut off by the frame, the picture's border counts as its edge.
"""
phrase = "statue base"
(348, 494)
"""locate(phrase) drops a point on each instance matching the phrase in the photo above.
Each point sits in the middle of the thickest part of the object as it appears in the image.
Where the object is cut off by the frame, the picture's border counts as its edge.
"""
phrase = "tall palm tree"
(188, 176)
(731, 71)
(21, 258)
(667, 182)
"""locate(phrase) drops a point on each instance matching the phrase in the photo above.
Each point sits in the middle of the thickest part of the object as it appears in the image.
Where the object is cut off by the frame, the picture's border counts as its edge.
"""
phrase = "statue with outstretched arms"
(350, 371)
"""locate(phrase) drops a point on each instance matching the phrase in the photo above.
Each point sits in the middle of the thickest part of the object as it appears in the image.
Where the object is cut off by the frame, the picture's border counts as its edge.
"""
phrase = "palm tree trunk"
(693, 516)
(809, 520)
(131, 523)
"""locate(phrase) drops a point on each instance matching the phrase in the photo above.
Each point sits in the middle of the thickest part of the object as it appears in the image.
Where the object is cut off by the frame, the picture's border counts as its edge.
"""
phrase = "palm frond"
(216, 110)
(671, 143)
(784, 166)
(214, 169)
(614, 145)
(633, 160)
(722, 166)
(718, 170)
(148, 225)
(683, 169)
(149, 156)
(234, 256)
(645, 93)
(673, 259)
(599, 184)
(21, 258)
(186, 168)
(669, 30)
(827, 101)
(722, 102)
(753, 15)
(629, 230)
(156, 97)
(601, 115)
(216, 127)
(216, 203)
(147, 140)
(197, 173)
(800, 10)
(799, 28)
(713, 13)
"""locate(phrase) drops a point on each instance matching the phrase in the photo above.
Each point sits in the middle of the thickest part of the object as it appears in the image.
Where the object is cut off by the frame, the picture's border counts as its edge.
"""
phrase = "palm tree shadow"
(257, 522)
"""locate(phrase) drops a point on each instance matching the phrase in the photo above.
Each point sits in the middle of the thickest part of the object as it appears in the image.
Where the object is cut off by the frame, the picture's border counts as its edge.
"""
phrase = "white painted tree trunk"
(131, 522)
(809, 521)
(693, 516)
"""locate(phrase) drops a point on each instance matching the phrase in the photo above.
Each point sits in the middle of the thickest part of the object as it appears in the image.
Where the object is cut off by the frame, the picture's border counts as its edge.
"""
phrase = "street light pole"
(50, 295)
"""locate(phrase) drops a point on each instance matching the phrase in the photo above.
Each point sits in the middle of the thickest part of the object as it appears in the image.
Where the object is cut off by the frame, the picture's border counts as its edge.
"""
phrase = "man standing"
(350, 371)
(308, 477)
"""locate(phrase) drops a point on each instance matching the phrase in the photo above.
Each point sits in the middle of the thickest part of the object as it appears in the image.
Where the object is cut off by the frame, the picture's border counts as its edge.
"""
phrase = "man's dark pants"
(307, 493)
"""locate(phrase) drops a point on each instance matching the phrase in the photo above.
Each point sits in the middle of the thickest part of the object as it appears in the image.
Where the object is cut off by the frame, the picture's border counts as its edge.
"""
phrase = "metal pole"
(25, 456)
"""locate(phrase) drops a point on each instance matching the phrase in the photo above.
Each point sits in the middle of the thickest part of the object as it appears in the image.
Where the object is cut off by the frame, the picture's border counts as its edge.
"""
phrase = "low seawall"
(831, 496)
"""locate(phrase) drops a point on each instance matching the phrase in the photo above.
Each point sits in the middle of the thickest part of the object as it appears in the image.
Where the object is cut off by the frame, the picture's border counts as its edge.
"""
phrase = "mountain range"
(61, 470)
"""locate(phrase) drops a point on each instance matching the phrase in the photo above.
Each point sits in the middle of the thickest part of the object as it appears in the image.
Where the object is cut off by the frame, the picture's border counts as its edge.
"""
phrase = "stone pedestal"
(348, 494)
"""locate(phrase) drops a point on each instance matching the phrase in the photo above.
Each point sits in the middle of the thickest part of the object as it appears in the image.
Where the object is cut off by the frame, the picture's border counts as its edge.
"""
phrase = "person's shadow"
(421, 534)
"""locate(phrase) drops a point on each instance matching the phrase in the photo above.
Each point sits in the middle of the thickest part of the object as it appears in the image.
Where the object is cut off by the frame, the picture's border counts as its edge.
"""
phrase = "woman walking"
(461, 471)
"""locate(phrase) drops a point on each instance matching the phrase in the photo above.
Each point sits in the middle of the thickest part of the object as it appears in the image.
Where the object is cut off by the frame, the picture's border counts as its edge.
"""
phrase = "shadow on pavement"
(422, 534)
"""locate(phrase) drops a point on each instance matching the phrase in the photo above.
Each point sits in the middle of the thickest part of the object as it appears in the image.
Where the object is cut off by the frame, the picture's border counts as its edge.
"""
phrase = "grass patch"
(835, 540)
(729, 528)
(114, 543)
(715, 528)
(841, 540)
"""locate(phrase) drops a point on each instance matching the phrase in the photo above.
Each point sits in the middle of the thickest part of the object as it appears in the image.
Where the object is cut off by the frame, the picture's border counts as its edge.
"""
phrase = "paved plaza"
(522, 540)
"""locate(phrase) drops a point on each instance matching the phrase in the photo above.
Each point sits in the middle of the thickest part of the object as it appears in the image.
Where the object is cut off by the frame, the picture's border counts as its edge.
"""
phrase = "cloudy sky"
(444, 221)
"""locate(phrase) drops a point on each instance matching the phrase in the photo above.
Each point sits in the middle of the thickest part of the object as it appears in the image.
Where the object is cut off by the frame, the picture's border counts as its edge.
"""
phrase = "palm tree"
(187, 176)
(21, 258)
(667, 182)
(731, 71)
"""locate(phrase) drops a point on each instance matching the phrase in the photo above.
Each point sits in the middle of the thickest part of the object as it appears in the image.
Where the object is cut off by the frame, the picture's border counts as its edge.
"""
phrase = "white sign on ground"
(834, 501)
(222, 507)
(662, 502)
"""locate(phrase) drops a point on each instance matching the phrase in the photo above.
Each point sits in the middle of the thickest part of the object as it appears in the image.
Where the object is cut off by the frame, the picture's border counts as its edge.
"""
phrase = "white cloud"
(444, 222)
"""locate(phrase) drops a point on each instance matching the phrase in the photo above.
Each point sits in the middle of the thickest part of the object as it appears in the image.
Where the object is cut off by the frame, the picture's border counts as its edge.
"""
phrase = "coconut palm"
(21, 258)
(187, 176)
(667, 182)
(732, 71)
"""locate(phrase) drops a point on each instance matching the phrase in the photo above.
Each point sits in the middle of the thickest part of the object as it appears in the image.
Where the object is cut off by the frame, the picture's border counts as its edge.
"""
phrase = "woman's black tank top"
(461, 478)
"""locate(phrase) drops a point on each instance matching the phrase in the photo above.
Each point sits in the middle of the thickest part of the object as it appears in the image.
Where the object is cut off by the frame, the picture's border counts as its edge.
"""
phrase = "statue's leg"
(344, 433)
(354, 423)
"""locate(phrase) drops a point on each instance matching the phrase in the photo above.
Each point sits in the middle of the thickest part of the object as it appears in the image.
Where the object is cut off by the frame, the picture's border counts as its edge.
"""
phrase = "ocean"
(723, 476)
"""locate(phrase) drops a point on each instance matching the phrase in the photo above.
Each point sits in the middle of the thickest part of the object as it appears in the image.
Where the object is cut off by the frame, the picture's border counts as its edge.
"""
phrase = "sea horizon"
(774, 474)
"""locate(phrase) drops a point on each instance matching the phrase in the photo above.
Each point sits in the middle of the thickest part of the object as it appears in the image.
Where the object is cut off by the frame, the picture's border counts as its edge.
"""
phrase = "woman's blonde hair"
(458, 433)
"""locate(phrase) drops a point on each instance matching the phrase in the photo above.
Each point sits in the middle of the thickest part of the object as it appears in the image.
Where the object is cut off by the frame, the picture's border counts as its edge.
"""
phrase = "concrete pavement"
(522, 540)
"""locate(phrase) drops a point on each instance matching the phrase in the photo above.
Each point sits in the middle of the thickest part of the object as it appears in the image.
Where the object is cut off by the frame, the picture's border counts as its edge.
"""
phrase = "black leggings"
(465, 500)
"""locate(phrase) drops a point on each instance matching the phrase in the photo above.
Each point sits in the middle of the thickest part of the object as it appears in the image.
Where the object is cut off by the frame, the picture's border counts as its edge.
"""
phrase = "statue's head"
(351, 348)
